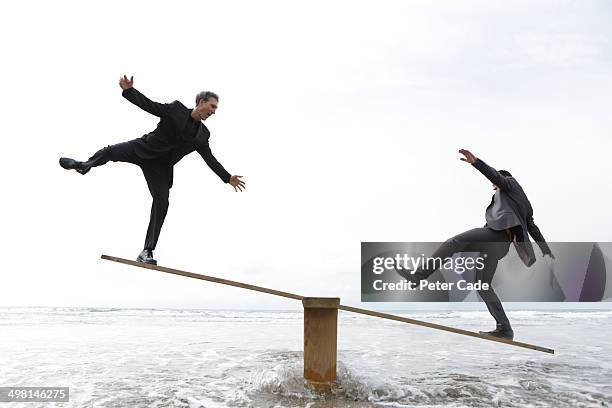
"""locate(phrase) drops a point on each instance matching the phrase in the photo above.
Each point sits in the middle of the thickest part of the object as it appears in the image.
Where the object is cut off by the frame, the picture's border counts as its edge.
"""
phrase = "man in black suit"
(179, 132)
(509, 219)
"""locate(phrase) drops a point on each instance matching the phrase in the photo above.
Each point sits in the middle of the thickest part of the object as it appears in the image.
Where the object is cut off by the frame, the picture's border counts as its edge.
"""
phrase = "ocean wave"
(530, 384)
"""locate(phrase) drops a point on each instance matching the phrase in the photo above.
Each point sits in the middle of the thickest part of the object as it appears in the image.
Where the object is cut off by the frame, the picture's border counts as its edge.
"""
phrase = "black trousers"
(495, 245)
(158, 176)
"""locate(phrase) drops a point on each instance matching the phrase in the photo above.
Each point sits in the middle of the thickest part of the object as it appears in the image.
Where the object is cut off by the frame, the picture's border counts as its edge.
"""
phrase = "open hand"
(125, 83)
(237, 183)
(469, 157)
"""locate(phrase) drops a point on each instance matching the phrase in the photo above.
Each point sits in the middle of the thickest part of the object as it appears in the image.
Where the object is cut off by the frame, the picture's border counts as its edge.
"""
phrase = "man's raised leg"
(468, 241)
(122, 152)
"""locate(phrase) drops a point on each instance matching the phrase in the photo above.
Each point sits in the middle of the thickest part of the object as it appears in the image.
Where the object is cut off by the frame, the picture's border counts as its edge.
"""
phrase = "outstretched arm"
(133, 95)
(234, 181)
(489, 172)
(503, 183)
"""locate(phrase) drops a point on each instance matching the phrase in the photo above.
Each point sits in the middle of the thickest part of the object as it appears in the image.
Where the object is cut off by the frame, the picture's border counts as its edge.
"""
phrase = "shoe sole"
(69, 167)
(64, 165)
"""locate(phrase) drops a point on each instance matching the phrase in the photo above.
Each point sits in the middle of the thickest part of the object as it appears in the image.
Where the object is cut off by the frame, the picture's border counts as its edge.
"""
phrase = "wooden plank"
(445, 328)
(203, 277)
(341, 307)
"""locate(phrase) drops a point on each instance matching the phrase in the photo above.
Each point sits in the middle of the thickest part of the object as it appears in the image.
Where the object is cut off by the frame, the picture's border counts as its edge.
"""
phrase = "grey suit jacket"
(522, 208)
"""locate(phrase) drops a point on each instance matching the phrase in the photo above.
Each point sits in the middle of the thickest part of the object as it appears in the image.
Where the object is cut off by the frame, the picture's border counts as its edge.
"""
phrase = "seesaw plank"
(341, 307)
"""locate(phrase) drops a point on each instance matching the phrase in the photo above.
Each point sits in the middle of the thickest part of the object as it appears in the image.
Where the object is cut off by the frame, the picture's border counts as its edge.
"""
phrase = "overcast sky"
(343, 117)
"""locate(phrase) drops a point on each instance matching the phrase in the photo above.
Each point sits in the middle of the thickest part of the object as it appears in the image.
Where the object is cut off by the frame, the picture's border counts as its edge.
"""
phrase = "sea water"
(203, 358)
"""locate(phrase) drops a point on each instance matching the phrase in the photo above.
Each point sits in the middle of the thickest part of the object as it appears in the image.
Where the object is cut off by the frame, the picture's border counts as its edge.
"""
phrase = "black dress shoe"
(501, 332)
(71, 164)
(146, 256)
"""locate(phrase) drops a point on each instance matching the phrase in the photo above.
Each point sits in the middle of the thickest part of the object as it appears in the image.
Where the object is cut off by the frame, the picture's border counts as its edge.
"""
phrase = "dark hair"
(505, 173)
(206, 95)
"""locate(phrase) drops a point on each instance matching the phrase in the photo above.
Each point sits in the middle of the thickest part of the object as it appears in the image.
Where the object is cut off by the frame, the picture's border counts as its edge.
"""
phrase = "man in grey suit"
(179, 132)
(509, 219)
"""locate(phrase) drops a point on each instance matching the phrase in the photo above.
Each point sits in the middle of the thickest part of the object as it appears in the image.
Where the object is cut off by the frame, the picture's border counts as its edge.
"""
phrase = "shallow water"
(188, 358)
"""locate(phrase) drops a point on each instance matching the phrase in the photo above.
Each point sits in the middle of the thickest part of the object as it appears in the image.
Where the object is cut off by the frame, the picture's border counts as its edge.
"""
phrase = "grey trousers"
(495, 245)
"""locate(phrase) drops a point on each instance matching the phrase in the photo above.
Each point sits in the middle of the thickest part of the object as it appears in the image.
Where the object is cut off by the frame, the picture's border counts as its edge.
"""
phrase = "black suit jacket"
(168, 141)
(522, 208)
